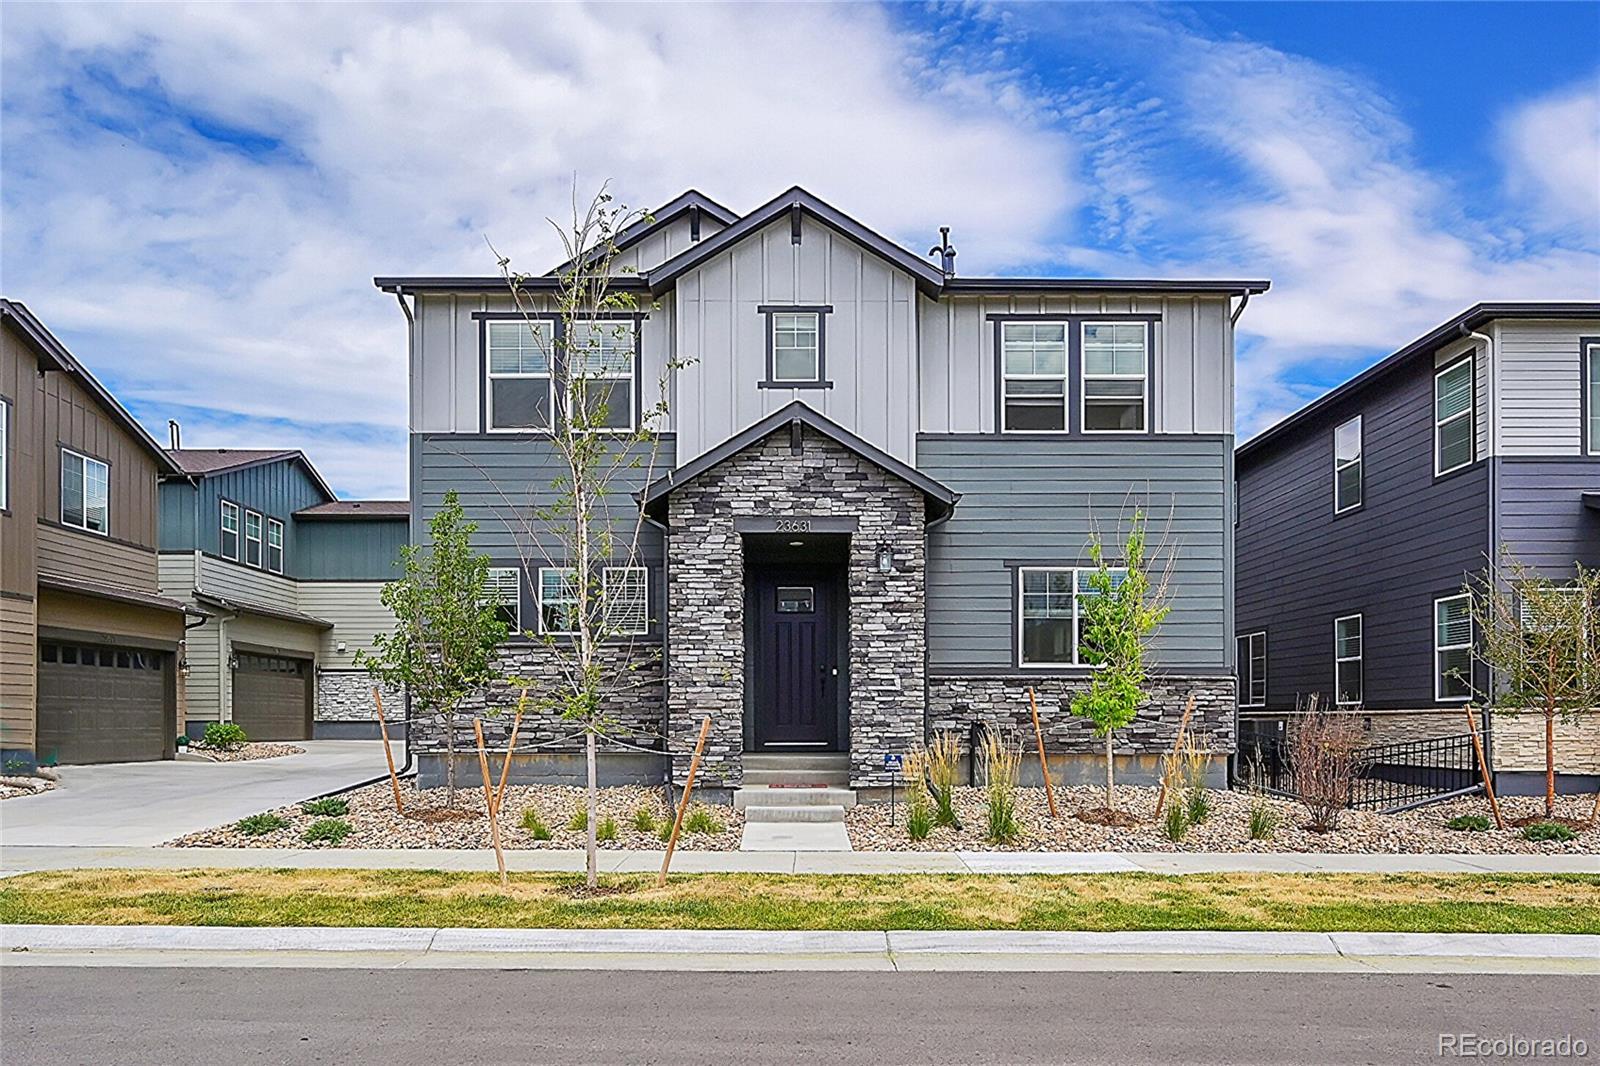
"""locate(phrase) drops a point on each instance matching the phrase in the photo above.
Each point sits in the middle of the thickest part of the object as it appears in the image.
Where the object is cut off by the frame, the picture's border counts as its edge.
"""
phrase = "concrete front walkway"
(148, 803)
(16, 859)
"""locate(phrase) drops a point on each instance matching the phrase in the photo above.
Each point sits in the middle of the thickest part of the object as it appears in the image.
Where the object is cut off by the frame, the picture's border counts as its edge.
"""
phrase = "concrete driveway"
(149, 803)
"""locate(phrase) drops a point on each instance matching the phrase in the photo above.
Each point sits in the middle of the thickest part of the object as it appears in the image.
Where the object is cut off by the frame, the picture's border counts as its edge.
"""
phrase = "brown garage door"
(101, 704)
(271, 697)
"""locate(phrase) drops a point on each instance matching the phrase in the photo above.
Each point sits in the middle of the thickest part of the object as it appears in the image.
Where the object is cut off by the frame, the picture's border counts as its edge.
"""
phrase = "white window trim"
(1339, 467)
(1591, 353)
(1246, 668)
(516, 601)
(5, 454)
(489, 377)
(539, 596)
(1065, 376)
(1438, 674)
(266, 554)
(61, 510)
(605, 593)
(1360, 660)
(1083, 376)
(1076, 663)
(238, 530)
(260, 540)
(1470, 414)
(816, 352)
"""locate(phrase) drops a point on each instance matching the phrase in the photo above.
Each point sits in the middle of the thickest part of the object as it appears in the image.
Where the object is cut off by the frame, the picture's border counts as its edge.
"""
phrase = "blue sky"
(197, 198)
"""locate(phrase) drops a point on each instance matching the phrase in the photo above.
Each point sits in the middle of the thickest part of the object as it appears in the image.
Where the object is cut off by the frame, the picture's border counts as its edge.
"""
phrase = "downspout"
(666, 652)
(1494, 492)
(1233, 319)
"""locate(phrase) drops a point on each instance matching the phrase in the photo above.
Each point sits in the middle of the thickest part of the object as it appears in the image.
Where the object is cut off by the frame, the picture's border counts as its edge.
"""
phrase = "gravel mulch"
(374, 823)
(1225, 830)
(245, 752)
(11, 787)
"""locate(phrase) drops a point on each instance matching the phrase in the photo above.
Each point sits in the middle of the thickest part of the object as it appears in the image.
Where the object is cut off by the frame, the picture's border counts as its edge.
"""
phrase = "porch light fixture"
(885, 558)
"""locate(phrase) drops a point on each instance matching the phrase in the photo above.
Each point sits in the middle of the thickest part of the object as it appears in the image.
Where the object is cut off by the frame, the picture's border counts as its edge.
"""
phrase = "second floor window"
(275, 545)
(85, 493)
(1591, 384)
(600, 357)
(5, 454)
(1347, 660)
(252, 538)
(1115, 377)
(1452, 418)
(1347, 466)
(1033, 379)
(1452, 648)
(518, 368)
(1252, 665)
(228, 538)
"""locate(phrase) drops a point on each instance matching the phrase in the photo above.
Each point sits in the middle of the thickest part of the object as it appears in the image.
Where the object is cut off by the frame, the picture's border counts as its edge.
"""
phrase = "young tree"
(1537, 637)
(605, 438)
(1123, 608)
(446, 632)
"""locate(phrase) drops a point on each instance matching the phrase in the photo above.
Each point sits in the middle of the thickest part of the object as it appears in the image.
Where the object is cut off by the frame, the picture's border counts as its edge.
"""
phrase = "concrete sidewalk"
(751, 950)
(16, 859)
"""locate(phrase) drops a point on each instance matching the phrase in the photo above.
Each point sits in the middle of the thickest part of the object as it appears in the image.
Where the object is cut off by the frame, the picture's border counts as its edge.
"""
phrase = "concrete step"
(797, 760)
(811, 813)
(788, 776)
(750, 797)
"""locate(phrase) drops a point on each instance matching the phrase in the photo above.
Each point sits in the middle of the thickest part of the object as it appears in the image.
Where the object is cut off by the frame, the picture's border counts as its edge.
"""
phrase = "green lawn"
(1523, 903)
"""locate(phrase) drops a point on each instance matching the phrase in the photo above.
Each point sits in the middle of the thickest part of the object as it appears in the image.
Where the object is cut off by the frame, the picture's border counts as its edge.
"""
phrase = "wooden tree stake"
(1177, 742)
(1483, 769)
(511, 746)
(683, 804)
(1044, 767)
(388, 754)
(488, 799)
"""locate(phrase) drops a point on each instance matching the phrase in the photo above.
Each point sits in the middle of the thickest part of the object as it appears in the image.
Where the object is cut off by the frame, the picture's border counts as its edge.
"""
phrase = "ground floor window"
(1347, 660)
(1050, 616)
(558, 599)
(504, 589)
(1252, 666)
(625, 590)
(1452, 647)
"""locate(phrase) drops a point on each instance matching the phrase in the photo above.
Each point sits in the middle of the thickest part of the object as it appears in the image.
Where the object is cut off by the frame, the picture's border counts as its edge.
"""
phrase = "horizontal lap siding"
(1542, 517)
(357, 612)
(1032, 500)
(82, 556)
(1540, 382)
(19, 657)
(1415, 538)
(235, 581)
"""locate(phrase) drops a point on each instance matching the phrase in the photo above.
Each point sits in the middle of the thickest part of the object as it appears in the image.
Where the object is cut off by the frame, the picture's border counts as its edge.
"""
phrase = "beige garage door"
(102, 704)
(272, 697)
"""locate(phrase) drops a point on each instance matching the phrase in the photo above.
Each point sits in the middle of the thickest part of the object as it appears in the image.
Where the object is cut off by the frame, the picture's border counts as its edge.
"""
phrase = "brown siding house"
(88, 647)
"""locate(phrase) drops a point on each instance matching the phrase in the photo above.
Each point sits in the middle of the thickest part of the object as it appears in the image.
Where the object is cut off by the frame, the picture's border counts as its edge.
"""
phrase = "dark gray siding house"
(290, 579)
(1361, 516)
(871, 498)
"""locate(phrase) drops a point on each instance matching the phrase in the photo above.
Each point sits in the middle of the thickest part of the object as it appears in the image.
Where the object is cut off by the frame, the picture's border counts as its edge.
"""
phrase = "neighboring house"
(873, 498)
(290, 578)
(88, 647)
(1361, 515)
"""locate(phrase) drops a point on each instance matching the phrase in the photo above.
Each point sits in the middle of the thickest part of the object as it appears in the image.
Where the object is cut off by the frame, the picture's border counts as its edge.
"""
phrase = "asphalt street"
(216, 1016)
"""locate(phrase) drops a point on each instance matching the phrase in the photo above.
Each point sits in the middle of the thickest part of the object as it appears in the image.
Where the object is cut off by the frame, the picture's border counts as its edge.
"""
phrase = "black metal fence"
(1388, 777)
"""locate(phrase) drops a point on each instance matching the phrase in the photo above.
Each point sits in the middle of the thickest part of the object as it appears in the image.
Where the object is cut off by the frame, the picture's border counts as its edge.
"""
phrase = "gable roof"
(53, 355)
(665, 215)
(206, 462)
(1425, 345)
(941, 500)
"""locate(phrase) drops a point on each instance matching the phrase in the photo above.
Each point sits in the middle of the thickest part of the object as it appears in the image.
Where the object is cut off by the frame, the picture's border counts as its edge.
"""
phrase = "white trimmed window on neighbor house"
(275, 545)
(1453, 423)
(252, 538)
(5, 454)
(1347, 487)
(1252, 666)
(1347, 653)
(85, 493)
(1591, 385)
(228, 532)
(1050, 618)
(1452, 648)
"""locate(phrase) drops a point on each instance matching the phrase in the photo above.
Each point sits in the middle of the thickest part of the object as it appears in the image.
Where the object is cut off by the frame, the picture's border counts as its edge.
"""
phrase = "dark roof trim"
(495, 283)
(243, 607)
(941, 499)
(1470, 319)
(356, 510)
(665, 215)
(288, 455)
(53, 355)
(929, 277)
(1003, 286)
(115, 593)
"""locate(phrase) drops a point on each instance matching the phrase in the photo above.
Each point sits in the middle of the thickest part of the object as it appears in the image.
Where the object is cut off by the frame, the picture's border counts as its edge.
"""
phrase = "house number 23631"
(794, 525)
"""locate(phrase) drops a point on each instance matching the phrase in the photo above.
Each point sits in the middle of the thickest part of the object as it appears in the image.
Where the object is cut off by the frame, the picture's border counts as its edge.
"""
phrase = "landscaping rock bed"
(1225, 830)
(245, 752)
(374, 824)
(24, 786)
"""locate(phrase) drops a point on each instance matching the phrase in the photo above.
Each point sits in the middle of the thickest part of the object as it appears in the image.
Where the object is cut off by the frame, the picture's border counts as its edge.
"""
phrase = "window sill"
(794, 384)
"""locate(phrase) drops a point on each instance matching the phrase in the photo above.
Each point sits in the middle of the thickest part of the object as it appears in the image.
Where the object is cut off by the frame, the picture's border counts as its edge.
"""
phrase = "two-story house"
(88, 646)
(869, 514)
(290, 580)
(1361, 516)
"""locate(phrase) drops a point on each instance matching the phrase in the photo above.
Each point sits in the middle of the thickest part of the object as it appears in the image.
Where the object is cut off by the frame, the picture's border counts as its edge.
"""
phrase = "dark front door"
(796, 668)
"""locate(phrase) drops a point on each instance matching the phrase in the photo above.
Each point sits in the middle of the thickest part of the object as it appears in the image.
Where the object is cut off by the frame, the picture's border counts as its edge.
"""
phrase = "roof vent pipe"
(946, 253)
(174, 434)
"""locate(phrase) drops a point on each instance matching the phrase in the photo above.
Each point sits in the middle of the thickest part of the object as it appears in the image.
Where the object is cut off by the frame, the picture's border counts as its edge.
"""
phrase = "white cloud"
(1552, 150)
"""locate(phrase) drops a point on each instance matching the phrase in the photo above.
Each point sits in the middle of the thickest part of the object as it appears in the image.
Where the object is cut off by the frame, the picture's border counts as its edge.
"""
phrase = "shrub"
(1263, 819)
(701, 820)
(1001, 763)
(534, 825)
(1175, 821)
(1468, 823)
(330, 830)
(579, 822)
(1192, 764)
(1324, 757)
(327, 807)
(919, 805)
(224, 736)
(664, 831)
(258, 825)
(644, 820)
(943, 762)
(1548, 831)
(607, 829)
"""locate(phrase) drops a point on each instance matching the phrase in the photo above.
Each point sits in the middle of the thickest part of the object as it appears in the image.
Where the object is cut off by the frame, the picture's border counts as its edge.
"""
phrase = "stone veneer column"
(706, 667)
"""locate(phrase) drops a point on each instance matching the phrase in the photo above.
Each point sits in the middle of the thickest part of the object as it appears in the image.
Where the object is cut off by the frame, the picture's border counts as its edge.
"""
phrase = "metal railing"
(1388, 777)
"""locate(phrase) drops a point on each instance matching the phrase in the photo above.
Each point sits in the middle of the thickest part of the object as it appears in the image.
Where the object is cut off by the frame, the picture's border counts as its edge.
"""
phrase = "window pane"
(519, 403)
(604, 347)
(1347, 441)
(1455, 673)
(608, 403)
(72, 490)
(1453, 391)
(1347, 638)
(1454, 622)
(1034, 347)
(1348, 681)
(96, 495)
(1455, 444)
(1594, 399)
(558, 599)
(1026, 415)
(1113, 414)
(1047, 640)
(794, 364)
(519, 347)
(1348, 482)
(626, 591)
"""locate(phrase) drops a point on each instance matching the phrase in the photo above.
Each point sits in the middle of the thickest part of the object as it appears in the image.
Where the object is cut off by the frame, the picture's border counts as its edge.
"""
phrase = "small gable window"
(796, 347)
